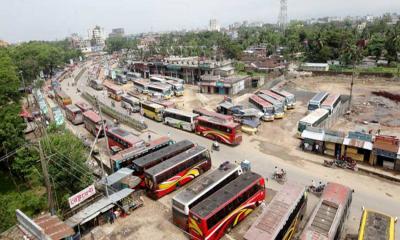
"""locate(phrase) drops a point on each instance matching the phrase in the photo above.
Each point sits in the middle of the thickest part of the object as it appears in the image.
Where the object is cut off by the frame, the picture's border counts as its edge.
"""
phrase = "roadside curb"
(387, 177)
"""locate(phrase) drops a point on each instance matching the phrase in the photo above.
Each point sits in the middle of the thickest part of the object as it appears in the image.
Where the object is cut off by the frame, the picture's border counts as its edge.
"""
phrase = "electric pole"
(46, 179)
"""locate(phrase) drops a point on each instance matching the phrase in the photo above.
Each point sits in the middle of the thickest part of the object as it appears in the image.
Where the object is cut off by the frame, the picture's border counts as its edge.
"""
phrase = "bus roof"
(314, 115)
(376, 225)
(128, 136)
(163, 86)
(218, 121)
(199, 187)
(324, 216)
(260, 101)
(205, 112)
(184, 113)
(274, 95)
(319, 97)
(94, 117)
(282, 92)
(72, 108)
(151, 104)
(221, 197)
(83, 106)
(330, 100)
(159, 168)
(142, 161)
(134, 151)
(141, 81)
(270, 99)
(277, 213)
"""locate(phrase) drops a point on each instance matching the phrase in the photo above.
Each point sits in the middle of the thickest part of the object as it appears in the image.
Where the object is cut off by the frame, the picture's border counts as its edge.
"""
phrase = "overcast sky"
(22, 20)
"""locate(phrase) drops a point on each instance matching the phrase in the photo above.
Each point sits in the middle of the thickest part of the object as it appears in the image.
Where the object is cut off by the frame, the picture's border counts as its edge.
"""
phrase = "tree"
(376, 45)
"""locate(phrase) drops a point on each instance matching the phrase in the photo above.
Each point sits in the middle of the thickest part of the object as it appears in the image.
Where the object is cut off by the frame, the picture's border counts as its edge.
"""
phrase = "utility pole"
(46, 179)
(108, 149)
(23, 83)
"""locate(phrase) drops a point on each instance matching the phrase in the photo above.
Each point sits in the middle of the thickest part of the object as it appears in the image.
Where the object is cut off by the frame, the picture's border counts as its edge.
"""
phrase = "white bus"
(180, 119)
(313, 119)
(157, 79)
(176, 87)
(141, 85)
(316, 101)
(160, 89)
(130, 102)
(201, 189)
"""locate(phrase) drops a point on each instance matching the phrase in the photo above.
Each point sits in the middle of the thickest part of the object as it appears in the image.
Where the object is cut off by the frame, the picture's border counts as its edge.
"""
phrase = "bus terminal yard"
(155, 219)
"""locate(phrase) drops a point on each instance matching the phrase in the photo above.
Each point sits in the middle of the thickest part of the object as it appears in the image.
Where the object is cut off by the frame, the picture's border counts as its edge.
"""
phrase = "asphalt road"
(370, 192)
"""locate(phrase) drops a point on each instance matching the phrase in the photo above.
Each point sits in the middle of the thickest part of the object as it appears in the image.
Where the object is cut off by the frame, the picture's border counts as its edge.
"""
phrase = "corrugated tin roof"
(334, 136)
(54, 227)
(117, 176)
(314, 135)
(357, 143)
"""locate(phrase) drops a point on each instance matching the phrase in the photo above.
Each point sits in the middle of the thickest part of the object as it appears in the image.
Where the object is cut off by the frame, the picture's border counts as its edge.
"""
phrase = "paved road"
(369, 191)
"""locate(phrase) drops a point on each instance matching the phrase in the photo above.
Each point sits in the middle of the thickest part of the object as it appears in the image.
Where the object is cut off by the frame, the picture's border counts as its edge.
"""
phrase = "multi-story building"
(214, 26)
(96, 36)
(117, 32)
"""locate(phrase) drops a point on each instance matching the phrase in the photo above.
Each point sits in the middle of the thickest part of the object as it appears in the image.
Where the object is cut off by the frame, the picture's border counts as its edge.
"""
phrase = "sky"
(24, 20)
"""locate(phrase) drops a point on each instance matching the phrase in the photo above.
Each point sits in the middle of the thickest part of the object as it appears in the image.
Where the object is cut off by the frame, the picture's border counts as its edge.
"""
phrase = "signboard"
(81, 196)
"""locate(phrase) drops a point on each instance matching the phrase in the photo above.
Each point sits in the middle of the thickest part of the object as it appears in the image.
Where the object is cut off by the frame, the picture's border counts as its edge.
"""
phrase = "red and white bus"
(83, 106)
(225, 208)
(92, 122)
(275, 96)
(331, 103)
(207, 113)
(227, 132)
(167, 176)
(327, 220)
(118, 137)
(125, 157)
(265, 107)
(74, 114)
(114, 92)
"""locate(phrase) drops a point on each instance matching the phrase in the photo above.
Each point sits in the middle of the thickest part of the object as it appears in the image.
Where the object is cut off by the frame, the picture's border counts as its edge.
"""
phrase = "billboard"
(81, 196)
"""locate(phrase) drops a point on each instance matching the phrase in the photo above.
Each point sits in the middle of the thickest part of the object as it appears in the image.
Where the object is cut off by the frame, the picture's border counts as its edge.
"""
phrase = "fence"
(131, 122)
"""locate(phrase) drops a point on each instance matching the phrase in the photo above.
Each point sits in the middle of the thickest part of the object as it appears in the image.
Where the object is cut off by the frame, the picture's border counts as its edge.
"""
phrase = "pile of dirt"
(388, 95)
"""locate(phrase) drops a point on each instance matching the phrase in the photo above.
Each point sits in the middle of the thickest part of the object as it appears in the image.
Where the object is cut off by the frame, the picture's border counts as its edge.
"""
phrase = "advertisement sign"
(81, 196)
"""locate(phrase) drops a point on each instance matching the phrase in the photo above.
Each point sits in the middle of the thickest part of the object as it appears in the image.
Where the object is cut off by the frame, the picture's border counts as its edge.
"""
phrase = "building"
(97, 38)
(214, 26)
(117, 32)
(386, 150)
(314, 67)
(80, 43)
(231, 85)
(3, 43)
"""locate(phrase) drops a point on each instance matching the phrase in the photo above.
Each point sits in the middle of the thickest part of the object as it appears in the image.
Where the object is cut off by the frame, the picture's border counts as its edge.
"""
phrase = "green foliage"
(115, 44)
(9, 82)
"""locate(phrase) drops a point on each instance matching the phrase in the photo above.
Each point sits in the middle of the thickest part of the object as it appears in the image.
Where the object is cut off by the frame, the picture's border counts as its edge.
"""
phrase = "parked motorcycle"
(280, 177)
(215, 146)
(328, 163)
(316, 190)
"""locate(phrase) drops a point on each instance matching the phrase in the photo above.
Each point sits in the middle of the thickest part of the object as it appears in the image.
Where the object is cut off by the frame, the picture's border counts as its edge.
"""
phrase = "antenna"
(282, 19)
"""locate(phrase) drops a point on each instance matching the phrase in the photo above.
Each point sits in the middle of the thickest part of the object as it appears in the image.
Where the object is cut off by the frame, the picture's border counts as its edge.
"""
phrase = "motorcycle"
(215, 146)
(316, 190)
(340, 163)
(330, 164)
(279, 177)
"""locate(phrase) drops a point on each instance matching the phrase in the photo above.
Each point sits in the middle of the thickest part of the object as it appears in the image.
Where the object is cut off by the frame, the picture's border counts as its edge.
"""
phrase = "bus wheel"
(229, 229)
(167, 123)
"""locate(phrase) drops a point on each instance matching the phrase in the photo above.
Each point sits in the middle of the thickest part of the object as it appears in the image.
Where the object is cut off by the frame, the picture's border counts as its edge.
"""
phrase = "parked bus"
(290, 98)
(278, 106)
(216, 129)
(92, 123)
(96, 84)
(225, 208)
(177, 87)
(74, 114)
(313, 119)
(125, 157)
(265, 107)
(207, 113)
(83, 106)
(62, 98)
(331, 103)
(120, 79)
(180, 119)
(178, 80)
(316, 101)
(114, 92)
(123, 139)
(160, 89)
(165, 177)
(141, 85)
(201, 189)
(283, 215)
(129, 102)
(131, 76)
(376, 226)
(327, 220)
(145, 162)
(152, 110)
(157, 79)
(276, 97)
(162, 102)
